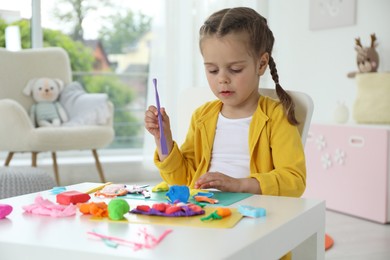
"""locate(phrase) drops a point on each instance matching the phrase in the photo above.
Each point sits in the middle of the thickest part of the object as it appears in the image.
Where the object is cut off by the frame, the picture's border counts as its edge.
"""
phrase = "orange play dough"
(328, 241)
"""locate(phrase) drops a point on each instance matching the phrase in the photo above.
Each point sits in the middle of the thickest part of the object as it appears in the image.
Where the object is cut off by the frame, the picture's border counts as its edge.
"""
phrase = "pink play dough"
(5, 210)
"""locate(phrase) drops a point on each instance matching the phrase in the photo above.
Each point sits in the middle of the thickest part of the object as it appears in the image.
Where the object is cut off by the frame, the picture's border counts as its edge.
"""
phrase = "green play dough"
(117, 208)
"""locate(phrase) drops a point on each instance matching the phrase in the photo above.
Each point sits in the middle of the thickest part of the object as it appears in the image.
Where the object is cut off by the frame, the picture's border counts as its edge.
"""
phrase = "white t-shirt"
(230, 154)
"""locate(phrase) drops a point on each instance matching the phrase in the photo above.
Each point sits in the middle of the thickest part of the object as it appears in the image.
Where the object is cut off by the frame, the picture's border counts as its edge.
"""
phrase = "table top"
(288, 222)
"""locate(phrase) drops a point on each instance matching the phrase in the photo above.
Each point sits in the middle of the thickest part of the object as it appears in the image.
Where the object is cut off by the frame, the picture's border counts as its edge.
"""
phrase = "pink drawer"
(348, 166)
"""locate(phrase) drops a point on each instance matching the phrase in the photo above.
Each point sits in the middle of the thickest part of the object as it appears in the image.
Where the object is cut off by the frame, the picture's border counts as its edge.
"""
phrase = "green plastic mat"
(224, 198)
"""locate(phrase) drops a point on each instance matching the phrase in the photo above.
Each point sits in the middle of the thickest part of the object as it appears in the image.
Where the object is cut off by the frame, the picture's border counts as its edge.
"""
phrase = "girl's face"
(233, 73)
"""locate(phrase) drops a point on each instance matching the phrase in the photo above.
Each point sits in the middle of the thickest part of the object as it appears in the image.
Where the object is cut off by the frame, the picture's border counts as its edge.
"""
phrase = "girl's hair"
(261, 40)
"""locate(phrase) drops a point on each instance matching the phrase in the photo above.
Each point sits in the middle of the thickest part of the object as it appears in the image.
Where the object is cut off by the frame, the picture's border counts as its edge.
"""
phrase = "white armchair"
(17, 133)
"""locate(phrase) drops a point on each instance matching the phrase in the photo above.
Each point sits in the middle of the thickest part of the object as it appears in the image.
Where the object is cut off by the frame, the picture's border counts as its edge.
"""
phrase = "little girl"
(241, 142)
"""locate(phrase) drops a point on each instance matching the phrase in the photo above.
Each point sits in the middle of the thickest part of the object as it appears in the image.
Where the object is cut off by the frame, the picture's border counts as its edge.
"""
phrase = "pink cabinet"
(348, 167)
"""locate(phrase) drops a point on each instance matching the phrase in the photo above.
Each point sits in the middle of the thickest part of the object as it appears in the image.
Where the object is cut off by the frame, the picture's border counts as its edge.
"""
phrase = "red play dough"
(74, 197)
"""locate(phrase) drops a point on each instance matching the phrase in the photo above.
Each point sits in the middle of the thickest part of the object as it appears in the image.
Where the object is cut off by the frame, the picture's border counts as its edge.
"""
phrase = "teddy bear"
(47, 111)
(367, 58)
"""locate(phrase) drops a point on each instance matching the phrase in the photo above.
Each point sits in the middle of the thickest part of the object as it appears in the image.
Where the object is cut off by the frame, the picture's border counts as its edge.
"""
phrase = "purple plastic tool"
(163, 141)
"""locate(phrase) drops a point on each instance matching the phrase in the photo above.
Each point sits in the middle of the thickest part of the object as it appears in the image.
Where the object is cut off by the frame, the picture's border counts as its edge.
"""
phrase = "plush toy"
(367, 58)
(47, 111)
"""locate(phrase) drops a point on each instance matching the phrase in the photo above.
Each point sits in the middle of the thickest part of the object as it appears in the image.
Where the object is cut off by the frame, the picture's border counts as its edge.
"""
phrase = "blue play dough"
(58, 190)
(249, 211)
(178, 193)
(205, 194)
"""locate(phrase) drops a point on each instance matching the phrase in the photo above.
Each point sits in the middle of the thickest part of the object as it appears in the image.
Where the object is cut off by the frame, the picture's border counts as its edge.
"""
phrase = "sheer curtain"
(175, 58)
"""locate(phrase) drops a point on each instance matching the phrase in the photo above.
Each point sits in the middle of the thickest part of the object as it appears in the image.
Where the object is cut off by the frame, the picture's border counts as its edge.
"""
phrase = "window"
(11, 17)
(108, 43)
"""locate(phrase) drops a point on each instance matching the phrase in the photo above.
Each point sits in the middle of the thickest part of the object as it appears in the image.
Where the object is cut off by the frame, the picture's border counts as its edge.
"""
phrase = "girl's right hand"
(151, 121)
(151, 124)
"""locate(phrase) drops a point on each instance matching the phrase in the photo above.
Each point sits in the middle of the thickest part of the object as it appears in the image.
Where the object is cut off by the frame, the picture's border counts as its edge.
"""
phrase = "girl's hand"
(217, 180)
(151, 121)
(222, 182)
(151, 124)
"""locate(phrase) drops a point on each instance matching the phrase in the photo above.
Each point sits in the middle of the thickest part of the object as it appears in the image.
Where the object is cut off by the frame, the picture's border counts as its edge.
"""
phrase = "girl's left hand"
(220, 181)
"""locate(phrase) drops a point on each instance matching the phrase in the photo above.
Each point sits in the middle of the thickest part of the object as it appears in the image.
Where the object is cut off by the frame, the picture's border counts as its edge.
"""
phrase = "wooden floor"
(356, 238)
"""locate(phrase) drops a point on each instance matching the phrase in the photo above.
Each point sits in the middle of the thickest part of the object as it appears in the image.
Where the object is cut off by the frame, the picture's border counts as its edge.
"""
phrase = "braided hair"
(261, 40)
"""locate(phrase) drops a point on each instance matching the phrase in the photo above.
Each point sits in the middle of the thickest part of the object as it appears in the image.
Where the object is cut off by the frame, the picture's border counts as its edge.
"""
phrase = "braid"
(284, 97)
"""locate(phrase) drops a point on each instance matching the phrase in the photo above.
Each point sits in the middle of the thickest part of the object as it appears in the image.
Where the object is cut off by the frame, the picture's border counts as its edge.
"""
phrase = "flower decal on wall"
(339, 156)
(326, 161)
(327, 158)
(320, 142)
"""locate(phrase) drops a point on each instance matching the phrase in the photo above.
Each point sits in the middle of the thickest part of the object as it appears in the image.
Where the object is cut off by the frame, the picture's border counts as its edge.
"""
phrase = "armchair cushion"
(84, 108)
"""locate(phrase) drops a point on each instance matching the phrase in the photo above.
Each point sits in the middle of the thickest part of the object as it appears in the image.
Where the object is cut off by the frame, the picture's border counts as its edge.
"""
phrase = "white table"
(290, 222)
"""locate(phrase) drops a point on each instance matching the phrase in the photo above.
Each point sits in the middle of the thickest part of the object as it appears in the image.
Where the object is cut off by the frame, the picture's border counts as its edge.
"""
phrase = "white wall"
(316, 62)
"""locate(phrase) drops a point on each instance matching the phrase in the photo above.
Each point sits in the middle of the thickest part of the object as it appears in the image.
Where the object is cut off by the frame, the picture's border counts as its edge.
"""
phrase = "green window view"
(108, 43)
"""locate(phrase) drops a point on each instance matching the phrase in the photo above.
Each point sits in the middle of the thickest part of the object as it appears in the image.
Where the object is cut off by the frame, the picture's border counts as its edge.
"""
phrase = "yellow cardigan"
(277, 158)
